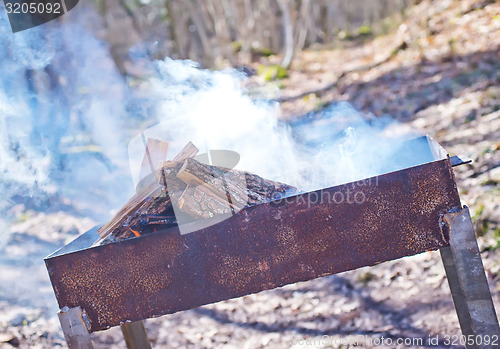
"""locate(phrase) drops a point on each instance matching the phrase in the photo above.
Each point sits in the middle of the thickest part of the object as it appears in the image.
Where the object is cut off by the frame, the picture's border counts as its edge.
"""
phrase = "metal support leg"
(74, 328)
(468, 283)
(135, 335)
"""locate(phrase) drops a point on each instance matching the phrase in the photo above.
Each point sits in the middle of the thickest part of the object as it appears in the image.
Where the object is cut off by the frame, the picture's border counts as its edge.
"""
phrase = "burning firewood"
(185, 190)
(188, 151)
(156, 150)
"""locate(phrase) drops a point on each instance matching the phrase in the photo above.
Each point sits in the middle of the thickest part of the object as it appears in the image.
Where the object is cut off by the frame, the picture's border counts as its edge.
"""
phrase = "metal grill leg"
(468, 283)
(135, 335)
(74, 328)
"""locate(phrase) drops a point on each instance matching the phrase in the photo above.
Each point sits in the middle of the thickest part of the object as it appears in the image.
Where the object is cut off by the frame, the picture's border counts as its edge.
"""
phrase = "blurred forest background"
(220, 32)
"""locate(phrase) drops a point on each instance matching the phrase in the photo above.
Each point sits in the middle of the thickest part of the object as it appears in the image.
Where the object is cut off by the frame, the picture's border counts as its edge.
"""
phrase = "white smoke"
(211, 109)
(62, 109)
(65, 126)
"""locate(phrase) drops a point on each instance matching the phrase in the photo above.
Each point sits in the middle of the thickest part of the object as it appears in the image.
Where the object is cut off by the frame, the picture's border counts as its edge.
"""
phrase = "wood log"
(244, 188)
(155, 151)
(195, 190)
(189, 151)
(116, 225)
(199, 202)
(151, 196)
(229, 185)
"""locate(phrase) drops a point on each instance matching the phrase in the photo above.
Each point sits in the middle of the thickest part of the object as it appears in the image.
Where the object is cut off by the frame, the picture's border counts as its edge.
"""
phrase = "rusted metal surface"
(262, 247)
(468, 283)
(135, 335)
(75, 328)
(459, 160)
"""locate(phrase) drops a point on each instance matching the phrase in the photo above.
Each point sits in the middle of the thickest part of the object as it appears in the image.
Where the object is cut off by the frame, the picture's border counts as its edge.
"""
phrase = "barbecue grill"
(305, 236)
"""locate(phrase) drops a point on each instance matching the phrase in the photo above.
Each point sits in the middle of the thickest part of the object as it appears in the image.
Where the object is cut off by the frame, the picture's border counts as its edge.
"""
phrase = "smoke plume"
(71, 125)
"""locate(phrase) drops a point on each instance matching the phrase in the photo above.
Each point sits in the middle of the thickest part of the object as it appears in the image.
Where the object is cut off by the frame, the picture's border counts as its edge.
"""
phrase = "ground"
(438, 73)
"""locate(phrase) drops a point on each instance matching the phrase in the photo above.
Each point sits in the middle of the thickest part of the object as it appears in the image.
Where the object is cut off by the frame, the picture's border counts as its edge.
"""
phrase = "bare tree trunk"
(302, 24)
(330, 22)
(176, 34)
(288, 46)
(202, 31)
(216, 10)
(207, 29)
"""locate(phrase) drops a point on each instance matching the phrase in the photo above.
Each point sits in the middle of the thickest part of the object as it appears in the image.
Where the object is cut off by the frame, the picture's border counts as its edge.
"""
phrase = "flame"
(136, 233)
